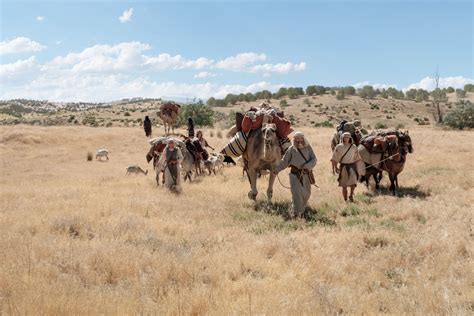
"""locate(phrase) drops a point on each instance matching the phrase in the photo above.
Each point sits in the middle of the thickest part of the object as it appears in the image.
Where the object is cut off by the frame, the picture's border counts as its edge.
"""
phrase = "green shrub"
(324, 124)
(202, 114)
(283, 103)
(380, 125)
(461, 117)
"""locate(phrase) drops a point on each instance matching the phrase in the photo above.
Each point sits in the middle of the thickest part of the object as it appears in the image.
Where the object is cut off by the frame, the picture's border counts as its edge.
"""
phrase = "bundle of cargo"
(254, 119)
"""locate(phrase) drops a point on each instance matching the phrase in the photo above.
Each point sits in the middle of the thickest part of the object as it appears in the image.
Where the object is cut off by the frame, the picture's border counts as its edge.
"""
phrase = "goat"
(215, 161)
(102, 153)
(136, 170)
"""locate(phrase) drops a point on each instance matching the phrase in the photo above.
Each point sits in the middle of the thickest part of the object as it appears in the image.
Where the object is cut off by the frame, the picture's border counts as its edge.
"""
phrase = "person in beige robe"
(301, 158)
(347, 156)
(170, 162)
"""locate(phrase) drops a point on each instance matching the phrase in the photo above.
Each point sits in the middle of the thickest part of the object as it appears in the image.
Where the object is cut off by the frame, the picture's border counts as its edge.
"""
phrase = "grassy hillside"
(305, 111)
(80, 237)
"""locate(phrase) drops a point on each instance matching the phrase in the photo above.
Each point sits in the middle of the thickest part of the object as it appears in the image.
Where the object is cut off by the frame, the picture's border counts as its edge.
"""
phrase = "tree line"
(366, 92)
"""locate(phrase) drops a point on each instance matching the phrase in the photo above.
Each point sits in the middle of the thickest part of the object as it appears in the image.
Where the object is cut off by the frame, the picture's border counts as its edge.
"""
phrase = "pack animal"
(396, 148)
(263, 152)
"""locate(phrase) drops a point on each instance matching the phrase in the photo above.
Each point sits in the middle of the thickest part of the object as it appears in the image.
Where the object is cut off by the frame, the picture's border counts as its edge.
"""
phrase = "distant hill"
(308, 111)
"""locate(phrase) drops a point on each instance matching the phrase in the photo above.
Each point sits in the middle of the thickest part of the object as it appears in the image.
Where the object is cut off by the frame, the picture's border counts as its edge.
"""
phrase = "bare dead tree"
(437, 96)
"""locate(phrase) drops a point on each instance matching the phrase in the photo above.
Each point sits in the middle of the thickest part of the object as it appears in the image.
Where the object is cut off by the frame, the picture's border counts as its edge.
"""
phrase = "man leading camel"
(170, 161)
(301, 158)
(346, 155)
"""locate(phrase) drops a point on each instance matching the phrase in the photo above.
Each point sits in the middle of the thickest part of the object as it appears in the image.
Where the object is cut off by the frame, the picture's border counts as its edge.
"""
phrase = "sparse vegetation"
(461, 117)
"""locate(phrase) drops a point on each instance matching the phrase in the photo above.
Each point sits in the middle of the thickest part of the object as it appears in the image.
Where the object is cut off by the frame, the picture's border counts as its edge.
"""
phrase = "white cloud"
(110, 72)
(428, 83)
(278, 68)
(249, 62)
(102, 58)
(58, 42)
(108, 87)
(240, 62)
(204, 74)
(18, 68)
(166, 61)
(40, 18)
(126, 16)
(374, 85)
(19, 45)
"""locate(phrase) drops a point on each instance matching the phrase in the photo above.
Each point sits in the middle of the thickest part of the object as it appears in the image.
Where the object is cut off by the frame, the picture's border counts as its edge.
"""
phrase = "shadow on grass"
(413, 192)
(321, 215)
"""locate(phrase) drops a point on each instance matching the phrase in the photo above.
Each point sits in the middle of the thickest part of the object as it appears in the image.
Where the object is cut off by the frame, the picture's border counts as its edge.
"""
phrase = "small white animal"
(102, 153)
(136, 170)
(214, 162)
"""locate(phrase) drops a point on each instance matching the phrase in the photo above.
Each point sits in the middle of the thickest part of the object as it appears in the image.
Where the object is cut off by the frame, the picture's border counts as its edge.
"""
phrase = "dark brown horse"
(393, 160)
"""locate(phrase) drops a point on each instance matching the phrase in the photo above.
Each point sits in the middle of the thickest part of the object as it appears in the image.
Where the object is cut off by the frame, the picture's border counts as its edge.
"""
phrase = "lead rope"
(278, 177)
(381, 161)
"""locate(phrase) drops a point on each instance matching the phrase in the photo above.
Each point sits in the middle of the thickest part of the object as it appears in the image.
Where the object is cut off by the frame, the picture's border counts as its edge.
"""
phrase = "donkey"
(263, 152)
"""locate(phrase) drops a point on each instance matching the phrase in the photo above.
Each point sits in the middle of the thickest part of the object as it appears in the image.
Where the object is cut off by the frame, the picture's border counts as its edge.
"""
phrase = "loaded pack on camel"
(252, 120)
(385, 150)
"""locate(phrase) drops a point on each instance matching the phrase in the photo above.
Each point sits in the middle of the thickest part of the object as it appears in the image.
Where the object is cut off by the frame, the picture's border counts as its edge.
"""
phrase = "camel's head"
(271, 142)
(269, 134)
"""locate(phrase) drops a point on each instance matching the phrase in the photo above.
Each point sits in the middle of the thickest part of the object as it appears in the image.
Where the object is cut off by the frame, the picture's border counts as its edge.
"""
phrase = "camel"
(169, 121)
(263, 152)
(169, 113)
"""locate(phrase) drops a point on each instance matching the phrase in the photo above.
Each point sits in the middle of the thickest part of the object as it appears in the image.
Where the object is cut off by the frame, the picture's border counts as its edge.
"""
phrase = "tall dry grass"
(80, 237)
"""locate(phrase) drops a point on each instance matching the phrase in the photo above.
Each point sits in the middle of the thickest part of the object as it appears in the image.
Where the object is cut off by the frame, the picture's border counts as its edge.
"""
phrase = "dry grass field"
(79, 237)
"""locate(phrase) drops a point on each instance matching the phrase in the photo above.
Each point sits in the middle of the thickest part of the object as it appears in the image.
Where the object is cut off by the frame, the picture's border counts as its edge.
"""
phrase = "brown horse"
(393, 161)
(263, 152)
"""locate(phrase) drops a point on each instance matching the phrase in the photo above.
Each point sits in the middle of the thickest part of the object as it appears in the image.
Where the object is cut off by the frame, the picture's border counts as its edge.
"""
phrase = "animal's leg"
(271, 181)
(378, 178)
(158, 177)
(396, 182)
(392, 183)
(252, 174)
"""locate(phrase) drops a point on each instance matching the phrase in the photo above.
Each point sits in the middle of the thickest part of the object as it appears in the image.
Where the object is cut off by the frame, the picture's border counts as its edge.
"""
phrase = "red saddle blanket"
(283, 125)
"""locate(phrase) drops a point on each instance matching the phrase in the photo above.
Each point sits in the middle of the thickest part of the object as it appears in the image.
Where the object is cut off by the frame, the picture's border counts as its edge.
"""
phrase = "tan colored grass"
(80, 237)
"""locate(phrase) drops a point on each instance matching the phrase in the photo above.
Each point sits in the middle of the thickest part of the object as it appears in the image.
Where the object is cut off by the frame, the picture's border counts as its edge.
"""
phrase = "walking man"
(170, 161)
(301, 159)
(346, 155)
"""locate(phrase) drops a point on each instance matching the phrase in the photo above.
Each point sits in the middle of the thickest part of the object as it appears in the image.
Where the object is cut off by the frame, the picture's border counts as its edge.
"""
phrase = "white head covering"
(298, 134)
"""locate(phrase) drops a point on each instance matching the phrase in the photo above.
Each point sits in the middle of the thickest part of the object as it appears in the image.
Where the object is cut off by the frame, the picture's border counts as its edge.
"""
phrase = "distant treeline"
(366, 92)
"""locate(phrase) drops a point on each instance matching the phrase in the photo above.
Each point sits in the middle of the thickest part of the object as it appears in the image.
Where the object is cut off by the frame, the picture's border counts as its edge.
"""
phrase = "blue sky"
(70, 51)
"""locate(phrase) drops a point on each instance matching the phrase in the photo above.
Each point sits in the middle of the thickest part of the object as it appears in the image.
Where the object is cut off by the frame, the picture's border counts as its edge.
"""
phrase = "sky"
(108, 50)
